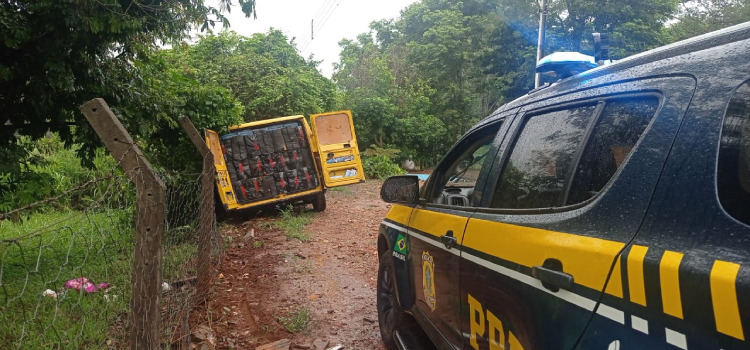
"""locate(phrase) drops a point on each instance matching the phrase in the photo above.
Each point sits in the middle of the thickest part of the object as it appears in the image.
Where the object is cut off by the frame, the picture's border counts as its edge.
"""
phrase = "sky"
(333, 20)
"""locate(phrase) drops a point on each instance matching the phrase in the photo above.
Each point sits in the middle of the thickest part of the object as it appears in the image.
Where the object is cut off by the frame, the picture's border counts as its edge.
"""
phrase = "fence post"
(145, 303)
(208, 217)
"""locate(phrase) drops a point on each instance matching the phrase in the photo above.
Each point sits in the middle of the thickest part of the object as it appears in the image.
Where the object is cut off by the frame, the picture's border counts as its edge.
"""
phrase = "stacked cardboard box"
(268, 161)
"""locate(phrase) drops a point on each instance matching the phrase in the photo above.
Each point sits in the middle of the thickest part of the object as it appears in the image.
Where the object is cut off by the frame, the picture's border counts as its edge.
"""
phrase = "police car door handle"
(448, 239)
(552, 278)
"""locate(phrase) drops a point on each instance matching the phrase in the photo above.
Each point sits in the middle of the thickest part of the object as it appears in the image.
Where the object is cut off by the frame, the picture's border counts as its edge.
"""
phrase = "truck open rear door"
(337, 145)
(223, 183)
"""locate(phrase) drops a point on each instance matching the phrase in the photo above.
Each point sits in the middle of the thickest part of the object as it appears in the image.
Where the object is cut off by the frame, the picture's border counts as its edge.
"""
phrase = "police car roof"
(701, 42)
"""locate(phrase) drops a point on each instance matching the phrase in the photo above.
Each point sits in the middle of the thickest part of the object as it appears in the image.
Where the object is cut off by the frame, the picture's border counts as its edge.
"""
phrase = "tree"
(633, 25)
(59, 54)
(390, 106)
(420, 81)
(265, 72)
(367, 83)
(697, 17)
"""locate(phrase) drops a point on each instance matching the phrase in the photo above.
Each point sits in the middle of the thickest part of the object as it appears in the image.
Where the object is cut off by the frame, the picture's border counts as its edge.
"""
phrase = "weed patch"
(341, 192)
(293, 224)
(342, 189)
(303, 267)
(297, 266)
(297, 321)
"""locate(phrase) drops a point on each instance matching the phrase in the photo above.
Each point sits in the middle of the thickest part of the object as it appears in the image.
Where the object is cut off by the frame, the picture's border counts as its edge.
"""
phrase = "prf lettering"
(479, 324)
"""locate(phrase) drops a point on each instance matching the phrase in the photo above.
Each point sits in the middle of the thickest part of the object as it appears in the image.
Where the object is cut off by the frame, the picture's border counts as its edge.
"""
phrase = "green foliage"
(293, 224)
(418, 82)
(175, 256)
(374, 151)
(381, 167)
(379, 163)
(697, 17)
(59, 54)
(48, 168)
(634, 25)
(264, 72)
(172, 93)
(298, 320)
(220, 81)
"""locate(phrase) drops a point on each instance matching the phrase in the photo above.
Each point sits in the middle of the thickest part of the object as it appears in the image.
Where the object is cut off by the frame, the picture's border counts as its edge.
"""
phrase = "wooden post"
(205, 266)
(145, 303)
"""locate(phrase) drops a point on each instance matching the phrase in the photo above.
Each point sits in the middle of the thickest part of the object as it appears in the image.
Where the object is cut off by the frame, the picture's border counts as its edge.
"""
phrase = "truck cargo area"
(268, 161)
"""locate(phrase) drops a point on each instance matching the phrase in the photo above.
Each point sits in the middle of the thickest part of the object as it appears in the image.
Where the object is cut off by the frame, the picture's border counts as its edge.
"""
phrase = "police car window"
(536, 171)
(458, 173)
(733, 173)
(618, 129)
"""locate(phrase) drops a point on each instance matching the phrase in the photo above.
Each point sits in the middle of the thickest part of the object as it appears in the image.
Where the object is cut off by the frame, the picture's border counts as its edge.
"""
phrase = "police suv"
(610, 210)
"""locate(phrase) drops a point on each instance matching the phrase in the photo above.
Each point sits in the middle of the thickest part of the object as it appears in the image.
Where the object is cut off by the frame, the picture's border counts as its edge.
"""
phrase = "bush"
(380, 163)
(47, 168)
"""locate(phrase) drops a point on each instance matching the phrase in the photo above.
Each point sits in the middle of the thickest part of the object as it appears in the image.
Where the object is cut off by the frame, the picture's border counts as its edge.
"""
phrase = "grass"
(293, 224)
(341, 192)
(297, 321)
(174, 261)
(228, 240)
(266, 225)
(258, 244)
(303, 267)
(63, 246)
(342, 189)
(298, 266)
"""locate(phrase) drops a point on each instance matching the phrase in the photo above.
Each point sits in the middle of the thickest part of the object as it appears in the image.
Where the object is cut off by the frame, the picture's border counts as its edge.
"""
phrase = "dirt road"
(262, 290)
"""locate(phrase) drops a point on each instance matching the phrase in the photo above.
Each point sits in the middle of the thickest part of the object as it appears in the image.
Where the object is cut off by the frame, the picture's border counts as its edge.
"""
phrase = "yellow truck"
(283, 160)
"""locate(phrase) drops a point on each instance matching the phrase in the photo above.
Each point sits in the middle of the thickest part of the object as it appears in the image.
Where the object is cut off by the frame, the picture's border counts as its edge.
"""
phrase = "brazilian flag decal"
(400, 246)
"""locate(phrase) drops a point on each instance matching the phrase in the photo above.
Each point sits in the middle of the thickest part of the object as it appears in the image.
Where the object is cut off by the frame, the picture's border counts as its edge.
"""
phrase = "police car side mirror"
(401, 189)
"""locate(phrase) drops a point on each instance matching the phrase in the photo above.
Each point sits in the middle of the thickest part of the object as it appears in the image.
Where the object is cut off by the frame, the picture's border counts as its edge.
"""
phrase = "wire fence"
(69, 264)
(188, 210)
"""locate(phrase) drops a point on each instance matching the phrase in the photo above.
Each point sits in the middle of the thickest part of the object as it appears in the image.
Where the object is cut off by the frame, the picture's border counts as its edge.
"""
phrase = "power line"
(333, 9)
(323, 9)
(318, 15)
(307, 38)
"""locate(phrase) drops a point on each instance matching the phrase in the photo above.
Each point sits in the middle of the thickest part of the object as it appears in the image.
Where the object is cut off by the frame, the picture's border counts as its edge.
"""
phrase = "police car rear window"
(733, 173)
(535, 174)
(617, 131)
(538, 173)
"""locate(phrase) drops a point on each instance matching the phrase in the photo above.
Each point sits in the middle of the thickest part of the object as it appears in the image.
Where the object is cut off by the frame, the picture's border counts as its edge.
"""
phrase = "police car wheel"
(319, 202)
(391, 316)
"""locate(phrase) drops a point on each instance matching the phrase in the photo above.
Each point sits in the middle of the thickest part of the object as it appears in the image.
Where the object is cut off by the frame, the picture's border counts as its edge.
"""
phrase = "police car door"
(687, 271)
(437, 227)
(570, 193)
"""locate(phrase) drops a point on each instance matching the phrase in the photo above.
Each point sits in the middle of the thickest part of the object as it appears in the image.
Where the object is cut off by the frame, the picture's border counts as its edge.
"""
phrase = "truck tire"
(391, 316)
(221, 213)
(319, 202)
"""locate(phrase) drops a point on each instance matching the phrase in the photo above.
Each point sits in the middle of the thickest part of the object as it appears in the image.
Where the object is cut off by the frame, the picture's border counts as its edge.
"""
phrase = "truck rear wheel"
(319, 202)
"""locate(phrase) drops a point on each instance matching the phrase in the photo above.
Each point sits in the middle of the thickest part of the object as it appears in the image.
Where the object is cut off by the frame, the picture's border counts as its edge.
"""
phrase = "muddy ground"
(332, 275)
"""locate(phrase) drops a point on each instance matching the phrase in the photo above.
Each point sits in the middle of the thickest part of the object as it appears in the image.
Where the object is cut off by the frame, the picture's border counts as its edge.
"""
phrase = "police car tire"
(391, 316)
(319, 202)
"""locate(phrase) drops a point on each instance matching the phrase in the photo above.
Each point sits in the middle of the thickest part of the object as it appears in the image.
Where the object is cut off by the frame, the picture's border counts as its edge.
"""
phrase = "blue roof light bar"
(565, 64)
